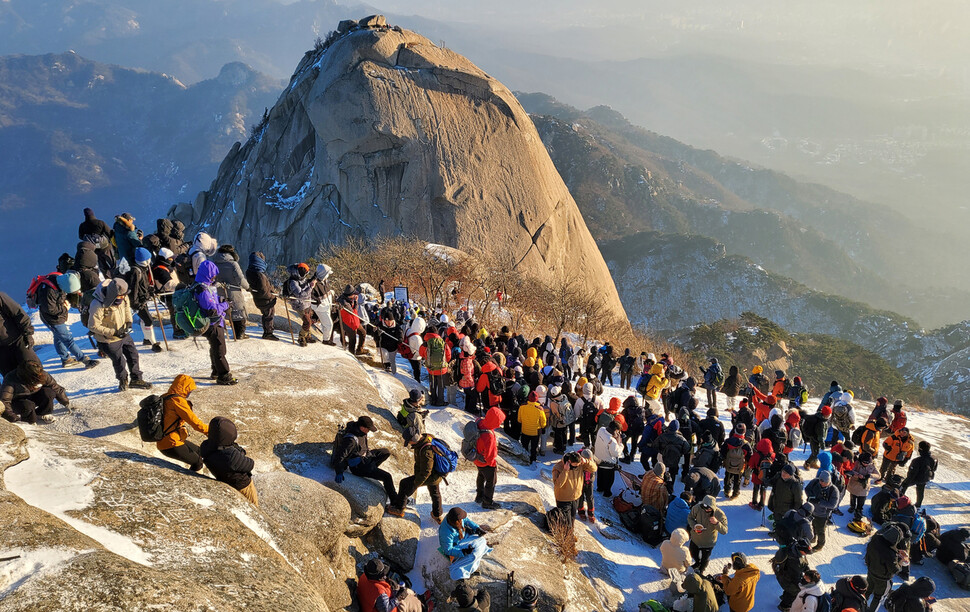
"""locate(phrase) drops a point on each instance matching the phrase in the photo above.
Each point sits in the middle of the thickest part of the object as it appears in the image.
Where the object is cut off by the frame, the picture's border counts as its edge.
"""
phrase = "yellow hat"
(850, 393)
(757, 370)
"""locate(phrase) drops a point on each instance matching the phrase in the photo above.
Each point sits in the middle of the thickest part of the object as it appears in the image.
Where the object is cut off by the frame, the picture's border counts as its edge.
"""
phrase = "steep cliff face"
(381, 132)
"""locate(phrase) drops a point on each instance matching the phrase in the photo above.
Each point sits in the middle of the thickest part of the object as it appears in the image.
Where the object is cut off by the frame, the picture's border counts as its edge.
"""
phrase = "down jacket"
(231, 275)
(225, 459)
(13, 388)
(674, 552)
(105, 319)
(177, 412)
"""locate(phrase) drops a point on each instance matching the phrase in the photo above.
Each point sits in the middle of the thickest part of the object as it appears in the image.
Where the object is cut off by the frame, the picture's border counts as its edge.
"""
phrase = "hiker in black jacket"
(883, 562)
(713, 425)
(16, 335)
(355, 455)
(789, 565)
(264, 296)
(227, 460)
(53, 304)
(850, 593)
(921, 471)
(674, 450)
(86, 264)
(92, 226)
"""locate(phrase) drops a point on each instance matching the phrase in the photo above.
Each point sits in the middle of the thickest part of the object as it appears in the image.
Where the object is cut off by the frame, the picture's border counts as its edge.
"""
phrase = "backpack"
(824, 603)
(568, 411)
(43, 279)
(734, 460)
(814, 427)
(188, 314)
(496, 382)
(720, 597)
(840, 417)
(469, 445)
(466, 371)
(650, 525)
(794, 438)
(642, 384)
(445, 459)
(150, 418)
(961, 574)
(588, 415)
(84, 307)
(631, 519)
(652, 605)
(857, 436)
(436, 353)
(604, 420)
(335, 449)
(718, 377)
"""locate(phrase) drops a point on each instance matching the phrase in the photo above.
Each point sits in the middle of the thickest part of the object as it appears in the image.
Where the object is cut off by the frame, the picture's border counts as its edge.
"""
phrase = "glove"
(339, 478)
(467, 550)
(66, 403)
(123, 332)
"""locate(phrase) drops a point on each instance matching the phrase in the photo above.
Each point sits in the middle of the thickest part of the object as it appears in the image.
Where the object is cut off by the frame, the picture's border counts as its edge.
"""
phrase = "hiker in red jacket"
(436, 355)
(487, 459)
(489, 399)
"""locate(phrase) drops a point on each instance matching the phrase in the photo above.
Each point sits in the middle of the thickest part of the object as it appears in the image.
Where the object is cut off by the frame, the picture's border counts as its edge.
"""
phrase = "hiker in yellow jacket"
(739, 588)
(532, 418)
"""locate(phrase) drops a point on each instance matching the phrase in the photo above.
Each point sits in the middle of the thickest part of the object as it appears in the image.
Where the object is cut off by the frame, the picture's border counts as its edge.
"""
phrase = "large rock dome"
(381, 132)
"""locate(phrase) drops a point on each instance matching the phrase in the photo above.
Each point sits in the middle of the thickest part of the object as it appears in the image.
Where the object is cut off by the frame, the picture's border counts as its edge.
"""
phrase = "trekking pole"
(763, 520)
(289, 322)
(161, 321)
(509, 587)
(232, 330)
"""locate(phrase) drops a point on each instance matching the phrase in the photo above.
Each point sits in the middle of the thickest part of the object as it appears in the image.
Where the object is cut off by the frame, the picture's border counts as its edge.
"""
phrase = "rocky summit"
(381, 132)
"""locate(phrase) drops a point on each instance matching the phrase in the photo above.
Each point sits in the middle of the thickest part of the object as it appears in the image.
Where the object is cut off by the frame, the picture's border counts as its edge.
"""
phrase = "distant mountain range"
(80, 133)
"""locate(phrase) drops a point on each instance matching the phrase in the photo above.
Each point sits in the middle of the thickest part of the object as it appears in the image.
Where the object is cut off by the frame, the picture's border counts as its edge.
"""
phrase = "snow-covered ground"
(608, 552)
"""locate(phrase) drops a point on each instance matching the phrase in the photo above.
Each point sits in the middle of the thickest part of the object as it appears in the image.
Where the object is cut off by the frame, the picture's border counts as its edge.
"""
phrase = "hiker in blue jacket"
(713, 378)
(463, 541)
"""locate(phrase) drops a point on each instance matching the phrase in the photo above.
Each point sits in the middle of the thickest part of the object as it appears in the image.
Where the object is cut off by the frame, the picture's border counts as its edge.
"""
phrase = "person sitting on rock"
(176, 412)
(463, 542)
(528, 600)
(470, 600)
(227, 460)
(363, 462)
(424, 475)
(29, 392)
(377, 592)
(674, 553)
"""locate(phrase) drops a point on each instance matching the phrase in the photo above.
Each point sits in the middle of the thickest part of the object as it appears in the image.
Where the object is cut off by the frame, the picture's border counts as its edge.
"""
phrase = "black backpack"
(589, 414)
(651, 525)
(150, 419)
(496, 382)
(338, 441)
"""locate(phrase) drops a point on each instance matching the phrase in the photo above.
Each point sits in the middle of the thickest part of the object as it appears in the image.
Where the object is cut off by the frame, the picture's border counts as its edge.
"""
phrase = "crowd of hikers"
(545, 393)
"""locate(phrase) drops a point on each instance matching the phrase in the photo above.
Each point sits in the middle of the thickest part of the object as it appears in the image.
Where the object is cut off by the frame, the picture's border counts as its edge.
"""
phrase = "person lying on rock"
(29, 392)
(354, 454)
(176, 412)
(463, 542)
(227, 460)
(377, 592)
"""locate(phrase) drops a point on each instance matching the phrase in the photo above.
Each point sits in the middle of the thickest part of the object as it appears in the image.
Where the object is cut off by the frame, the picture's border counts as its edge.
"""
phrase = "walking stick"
(161, 322)
(232, 330)
(289, 322)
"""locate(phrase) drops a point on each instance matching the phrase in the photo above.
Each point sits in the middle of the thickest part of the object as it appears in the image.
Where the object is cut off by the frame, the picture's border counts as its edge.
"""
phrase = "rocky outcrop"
(381, 132)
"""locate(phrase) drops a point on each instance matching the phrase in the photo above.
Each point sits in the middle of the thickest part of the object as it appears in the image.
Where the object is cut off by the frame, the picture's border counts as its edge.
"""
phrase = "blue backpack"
(445, 459)
(824, 602)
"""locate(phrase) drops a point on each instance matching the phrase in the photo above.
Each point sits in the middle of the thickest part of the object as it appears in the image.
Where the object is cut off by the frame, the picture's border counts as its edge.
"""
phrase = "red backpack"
(43, 279)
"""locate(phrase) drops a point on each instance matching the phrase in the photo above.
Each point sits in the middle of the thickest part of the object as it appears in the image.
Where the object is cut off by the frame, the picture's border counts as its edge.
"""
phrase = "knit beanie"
(659, 469)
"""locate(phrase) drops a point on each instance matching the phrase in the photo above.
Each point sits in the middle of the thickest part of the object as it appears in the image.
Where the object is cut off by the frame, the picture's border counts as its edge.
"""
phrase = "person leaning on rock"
(227, 460)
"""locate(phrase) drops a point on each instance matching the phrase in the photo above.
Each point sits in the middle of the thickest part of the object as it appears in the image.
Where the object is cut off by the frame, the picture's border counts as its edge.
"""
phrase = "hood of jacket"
(182, 385)
(614, 405)
(825, 460)
(178, 230)
(222, 431)
(690, 383)
(89, 215)
(679, 536)
(923, 587)
(657, 370)
(418, 325)
(205, 243)
(256, 262)
(692, 584)
(588, 391)
(532, 352)
(322, 272)
(893, 535)
(493, 419)
(207, 272)
(709, 501)
(764, 447)
(733, 371)
(163, 227)
(793, 418)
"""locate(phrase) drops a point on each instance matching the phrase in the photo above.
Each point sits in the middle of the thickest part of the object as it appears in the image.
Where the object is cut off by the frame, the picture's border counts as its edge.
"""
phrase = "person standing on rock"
(203, 247)
(424, 475)
(321, 302)
(263, 294)
(436, 354)
(739, 588)
(921, 471)
(705, 522)
(388, 335)
(214, 306)
(29, 392)
(825, 498)
(533, 419)
(176, 412)
(110, 321)
(53, 304)
(568, 478)
(141, 289)
(16, 335)
(230, 275)
(298, 289)
(227, 460)
(713, 379)
(126, 237)
(351, 328)
(486, 457)
(355, 455)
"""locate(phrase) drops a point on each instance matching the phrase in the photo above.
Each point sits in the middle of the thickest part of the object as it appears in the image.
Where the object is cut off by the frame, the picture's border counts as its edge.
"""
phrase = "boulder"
(778, 350)
(396, 539)
(346, 25)
(362, 144)
(367, 500)
(130, 529)
(303, 507)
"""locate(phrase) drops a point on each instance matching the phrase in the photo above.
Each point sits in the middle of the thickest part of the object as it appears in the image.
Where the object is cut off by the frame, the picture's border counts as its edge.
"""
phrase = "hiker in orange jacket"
(177, 411)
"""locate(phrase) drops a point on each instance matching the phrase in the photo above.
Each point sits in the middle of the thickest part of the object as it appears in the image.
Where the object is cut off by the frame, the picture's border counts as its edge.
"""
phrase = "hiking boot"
(301, 341)
(226, 380)
(146, 342)
(394, 511)
(138, 383)
(746, 482)
(123, 384)
(478, 500)
(70, 361)
(311, 339)
(815, 549)
(89, 363)
(271, 337)
(581, 514)
(243, 336)
(837, 512)
(755, 506)
(156, 348)
(213, 375)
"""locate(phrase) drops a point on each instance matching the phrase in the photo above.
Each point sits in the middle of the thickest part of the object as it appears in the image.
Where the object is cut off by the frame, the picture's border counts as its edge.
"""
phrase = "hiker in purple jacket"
(214, 306)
